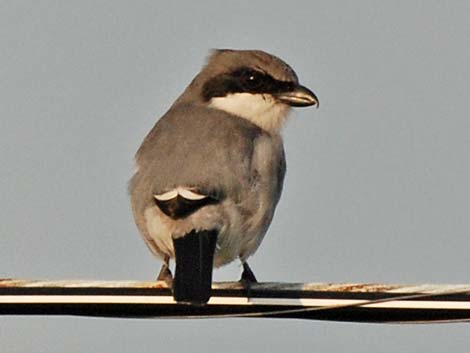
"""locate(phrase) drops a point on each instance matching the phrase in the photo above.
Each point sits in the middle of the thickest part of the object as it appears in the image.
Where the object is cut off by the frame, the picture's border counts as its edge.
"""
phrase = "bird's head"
(250, 84)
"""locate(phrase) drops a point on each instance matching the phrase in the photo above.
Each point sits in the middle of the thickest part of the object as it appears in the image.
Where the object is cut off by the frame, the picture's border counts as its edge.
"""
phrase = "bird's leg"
(247, 274)
(165, 273)
(247, 279)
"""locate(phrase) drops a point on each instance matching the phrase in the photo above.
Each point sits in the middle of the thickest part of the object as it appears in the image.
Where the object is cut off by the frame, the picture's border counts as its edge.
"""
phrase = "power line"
(378, 303)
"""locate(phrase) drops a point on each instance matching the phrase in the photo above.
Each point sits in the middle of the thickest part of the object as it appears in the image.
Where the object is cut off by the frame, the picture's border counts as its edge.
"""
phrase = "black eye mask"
(244, 80)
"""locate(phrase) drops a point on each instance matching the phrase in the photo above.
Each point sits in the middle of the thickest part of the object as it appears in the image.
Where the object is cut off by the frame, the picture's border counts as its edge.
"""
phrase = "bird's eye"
(252, 79)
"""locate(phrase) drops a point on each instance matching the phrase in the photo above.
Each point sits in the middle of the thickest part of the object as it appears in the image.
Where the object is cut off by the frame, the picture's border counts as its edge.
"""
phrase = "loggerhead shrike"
(210, 173)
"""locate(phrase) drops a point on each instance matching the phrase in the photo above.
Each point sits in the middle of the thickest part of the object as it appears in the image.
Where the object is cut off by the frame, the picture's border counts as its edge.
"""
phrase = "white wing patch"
(183, 192)
(190, 195)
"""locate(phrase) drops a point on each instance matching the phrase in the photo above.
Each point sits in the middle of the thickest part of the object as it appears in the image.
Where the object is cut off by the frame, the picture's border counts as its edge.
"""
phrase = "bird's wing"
(194, 156)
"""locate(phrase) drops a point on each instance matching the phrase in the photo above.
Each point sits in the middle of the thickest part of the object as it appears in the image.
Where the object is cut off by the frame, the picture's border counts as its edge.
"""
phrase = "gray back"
(196, 146)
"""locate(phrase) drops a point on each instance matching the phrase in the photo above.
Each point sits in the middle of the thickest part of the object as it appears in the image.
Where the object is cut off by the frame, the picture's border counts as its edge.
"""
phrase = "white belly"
(239, 236)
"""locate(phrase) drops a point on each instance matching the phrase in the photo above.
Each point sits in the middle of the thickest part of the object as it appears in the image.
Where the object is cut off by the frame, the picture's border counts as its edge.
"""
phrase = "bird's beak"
(299, 97)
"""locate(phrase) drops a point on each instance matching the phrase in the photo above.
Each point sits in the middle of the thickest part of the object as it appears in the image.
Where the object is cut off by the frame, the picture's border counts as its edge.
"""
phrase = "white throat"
(261, 109)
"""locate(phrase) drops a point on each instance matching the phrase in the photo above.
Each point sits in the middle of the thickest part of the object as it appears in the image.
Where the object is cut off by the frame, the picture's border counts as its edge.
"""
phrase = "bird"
(210, 173)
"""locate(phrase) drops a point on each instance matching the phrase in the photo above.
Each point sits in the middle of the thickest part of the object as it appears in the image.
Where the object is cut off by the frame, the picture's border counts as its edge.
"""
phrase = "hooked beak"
(300, 97)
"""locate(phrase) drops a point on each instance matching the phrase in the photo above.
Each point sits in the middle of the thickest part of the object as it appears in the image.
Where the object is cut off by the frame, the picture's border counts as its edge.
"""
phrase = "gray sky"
(378, 181)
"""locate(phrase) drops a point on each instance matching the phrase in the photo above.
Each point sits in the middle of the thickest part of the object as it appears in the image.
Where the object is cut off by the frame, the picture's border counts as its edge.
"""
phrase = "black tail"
(194, 257)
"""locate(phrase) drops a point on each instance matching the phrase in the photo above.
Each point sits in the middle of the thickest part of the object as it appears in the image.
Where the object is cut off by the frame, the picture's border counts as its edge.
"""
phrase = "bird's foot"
(166, 276)
(247, 279)
(247, 275)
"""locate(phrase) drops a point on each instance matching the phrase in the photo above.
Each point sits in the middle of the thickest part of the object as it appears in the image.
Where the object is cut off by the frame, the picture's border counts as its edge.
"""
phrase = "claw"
(165, 273)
